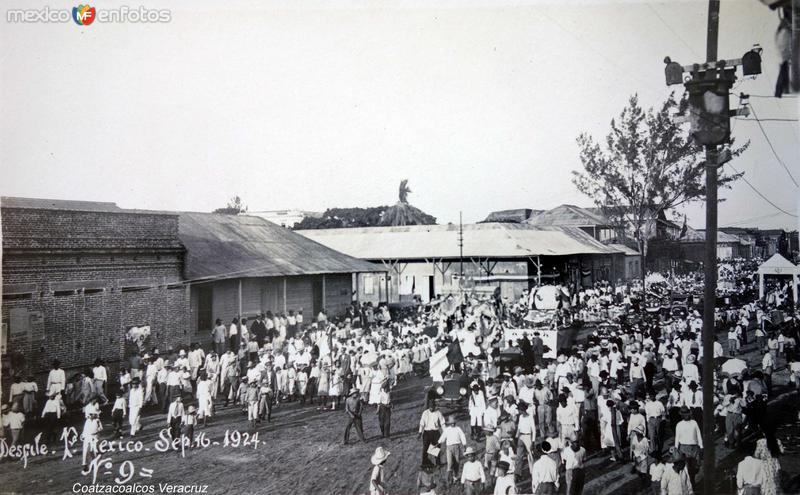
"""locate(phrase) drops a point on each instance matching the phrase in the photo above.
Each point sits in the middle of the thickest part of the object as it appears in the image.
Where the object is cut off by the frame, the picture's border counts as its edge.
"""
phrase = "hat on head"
(353, 391)
(451, 420)
(181, 353)
(379, 456)
(691, 358)
(469, 451)
(191, 410)
(503, 465)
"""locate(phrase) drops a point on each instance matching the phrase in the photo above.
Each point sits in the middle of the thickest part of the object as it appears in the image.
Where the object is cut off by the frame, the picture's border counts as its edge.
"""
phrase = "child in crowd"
(251, 399)
(190, 420)
(118, 413)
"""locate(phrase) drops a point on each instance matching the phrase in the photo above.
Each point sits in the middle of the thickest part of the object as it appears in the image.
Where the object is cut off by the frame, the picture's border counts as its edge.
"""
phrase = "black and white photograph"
(400, 247)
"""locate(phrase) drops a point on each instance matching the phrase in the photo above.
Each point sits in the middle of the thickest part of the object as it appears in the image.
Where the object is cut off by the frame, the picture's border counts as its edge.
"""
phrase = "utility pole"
(708, 90)
(710, 279)
(461, 252)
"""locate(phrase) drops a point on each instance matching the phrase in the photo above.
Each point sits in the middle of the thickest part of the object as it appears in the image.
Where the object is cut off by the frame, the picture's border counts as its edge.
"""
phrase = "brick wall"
(68, 279)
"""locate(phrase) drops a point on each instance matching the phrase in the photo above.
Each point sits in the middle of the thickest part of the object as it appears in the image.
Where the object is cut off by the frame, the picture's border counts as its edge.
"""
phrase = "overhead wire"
(772, 147)
(760, 194)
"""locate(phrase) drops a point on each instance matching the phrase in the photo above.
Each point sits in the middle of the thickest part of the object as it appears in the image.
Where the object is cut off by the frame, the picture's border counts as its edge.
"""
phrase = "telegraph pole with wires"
(461, 252)
(708, 88)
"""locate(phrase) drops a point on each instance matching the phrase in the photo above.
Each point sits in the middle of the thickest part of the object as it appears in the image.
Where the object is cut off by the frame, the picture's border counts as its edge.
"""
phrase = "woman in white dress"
(376, 381)
(336, 388)
(212, 368)
(204, 398)
(324, 379)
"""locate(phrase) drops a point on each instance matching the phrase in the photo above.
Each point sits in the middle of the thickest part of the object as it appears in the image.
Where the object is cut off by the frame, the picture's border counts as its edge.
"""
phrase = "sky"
(317, 104)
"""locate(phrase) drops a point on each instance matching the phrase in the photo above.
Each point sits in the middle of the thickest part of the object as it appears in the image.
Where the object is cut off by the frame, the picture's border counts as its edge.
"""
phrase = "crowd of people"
(619, 392)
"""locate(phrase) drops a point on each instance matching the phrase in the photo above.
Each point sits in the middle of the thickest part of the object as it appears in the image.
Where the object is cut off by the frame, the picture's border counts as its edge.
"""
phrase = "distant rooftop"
(57, 204)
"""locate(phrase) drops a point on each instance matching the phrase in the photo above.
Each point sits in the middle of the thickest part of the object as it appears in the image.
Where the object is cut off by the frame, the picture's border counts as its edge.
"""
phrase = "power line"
(759, 193)
(666, 24)
(769, 142)
(767, 120)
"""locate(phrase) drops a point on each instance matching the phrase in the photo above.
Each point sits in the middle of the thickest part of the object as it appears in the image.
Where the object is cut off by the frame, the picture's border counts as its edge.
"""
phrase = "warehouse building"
(246, 265)
(428, 260)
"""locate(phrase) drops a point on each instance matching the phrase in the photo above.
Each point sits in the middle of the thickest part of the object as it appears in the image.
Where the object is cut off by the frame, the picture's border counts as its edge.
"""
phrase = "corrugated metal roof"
(234, 246)
(58, 204)
(484, 240)
(516, 215)
(568, 215)
(693, 235)
(625, 249)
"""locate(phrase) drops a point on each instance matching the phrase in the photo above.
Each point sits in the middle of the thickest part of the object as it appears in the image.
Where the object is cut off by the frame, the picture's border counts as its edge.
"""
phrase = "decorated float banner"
(549, 338)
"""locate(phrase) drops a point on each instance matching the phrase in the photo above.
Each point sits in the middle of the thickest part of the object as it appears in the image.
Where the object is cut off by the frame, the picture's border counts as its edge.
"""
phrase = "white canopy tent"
(777, 265)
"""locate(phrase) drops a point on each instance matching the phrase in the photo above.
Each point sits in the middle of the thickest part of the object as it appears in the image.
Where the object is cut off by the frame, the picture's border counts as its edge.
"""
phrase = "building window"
(369, 284)
(17, 297)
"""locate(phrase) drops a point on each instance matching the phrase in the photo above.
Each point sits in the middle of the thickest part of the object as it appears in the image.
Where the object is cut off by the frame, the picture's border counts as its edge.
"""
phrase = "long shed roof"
(483, 240)
(233, 246)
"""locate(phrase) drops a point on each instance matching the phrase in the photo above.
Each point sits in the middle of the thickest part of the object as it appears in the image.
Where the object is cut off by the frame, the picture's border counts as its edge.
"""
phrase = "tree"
(235, 207)
(648, 166)
(339, 218)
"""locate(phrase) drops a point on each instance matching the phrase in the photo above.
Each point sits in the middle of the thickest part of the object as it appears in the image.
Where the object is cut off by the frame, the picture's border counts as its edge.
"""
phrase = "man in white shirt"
(655, 413)
(544, 475)
(453, 440)
(689, 441)
(567, 418)
(233, 335)
(693, 399)
(526, 436)
(675, 479)
(100, 376)
(505, 484)
(573, 456)
(490, 415)
(430, 427)
(472, 475)
(750, 476)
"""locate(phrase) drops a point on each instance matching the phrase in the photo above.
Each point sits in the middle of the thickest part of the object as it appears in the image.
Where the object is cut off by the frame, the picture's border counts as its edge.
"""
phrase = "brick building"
(76, 275)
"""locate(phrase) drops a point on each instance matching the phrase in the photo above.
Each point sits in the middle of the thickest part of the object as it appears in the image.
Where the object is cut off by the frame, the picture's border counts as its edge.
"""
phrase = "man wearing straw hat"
(453, 440)
(472, 475)
(376, 481)
(353, 407)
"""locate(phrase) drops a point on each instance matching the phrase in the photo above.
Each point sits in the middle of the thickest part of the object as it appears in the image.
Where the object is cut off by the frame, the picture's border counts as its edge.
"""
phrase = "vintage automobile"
(453, 391)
